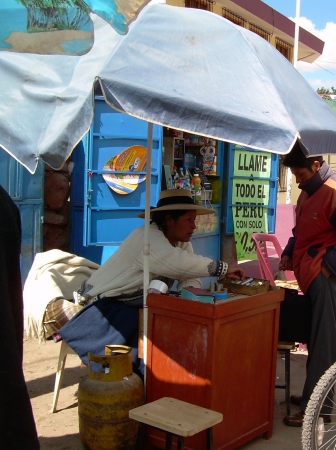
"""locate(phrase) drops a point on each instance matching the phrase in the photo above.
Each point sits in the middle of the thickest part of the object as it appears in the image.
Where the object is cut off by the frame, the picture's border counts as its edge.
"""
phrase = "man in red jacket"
(311, 254)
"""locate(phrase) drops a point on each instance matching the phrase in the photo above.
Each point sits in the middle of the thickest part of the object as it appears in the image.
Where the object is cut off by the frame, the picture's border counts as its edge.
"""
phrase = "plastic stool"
(65, 350)
(176, 418)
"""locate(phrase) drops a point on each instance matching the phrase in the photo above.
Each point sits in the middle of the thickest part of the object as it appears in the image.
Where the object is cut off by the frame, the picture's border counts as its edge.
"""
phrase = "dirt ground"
(60, 429)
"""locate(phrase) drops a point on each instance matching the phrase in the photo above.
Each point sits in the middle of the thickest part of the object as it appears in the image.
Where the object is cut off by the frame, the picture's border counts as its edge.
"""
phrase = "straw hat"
(177, 199)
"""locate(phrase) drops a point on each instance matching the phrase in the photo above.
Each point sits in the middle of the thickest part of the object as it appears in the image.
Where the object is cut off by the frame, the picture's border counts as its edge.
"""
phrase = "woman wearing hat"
(115, 290)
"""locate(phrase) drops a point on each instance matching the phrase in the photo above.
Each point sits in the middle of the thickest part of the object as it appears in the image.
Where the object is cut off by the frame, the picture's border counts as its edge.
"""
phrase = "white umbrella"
(188, 69)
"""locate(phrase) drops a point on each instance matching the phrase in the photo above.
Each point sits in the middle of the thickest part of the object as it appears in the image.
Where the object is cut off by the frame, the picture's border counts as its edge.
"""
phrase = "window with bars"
(257, 30)
(233, 17)
(284, 48)
(207, 5)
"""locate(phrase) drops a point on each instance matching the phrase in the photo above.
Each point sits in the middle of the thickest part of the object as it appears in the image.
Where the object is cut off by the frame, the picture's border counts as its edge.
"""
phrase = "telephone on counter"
(205, 183)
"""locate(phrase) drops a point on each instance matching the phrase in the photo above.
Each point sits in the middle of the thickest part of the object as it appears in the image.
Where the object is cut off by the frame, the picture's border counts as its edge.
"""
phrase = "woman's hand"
(286, 263)
(235, 272)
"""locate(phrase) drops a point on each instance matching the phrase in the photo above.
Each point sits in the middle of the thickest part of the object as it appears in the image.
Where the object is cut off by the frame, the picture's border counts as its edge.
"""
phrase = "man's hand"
(235, 272)
(286, 263)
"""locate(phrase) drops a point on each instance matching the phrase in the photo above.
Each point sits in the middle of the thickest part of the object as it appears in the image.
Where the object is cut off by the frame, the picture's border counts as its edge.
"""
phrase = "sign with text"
(250, 191)
(247, 220)
(250, 197)
(248, 164)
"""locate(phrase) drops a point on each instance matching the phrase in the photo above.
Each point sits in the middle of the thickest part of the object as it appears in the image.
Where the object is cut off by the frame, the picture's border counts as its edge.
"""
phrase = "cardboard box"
(233, 286)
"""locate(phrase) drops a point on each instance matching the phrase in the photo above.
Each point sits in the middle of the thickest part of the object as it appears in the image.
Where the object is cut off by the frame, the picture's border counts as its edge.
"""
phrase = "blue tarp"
(60, 27)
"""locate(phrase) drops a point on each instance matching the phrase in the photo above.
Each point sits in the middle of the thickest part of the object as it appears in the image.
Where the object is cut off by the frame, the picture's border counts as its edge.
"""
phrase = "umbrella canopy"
(184, 68)
(197, 72)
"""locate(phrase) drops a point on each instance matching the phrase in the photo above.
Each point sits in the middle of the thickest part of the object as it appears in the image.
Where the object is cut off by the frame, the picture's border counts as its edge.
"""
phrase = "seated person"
(115, 290)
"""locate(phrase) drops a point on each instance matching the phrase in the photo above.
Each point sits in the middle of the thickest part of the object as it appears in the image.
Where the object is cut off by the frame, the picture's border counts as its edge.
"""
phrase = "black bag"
(295, 317)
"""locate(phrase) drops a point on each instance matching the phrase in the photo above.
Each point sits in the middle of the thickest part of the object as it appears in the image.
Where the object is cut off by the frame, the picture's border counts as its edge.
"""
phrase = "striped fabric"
(58, 312)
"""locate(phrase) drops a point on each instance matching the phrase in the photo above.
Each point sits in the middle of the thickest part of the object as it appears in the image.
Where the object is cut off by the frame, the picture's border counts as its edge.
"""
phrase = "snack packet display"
(132, 159)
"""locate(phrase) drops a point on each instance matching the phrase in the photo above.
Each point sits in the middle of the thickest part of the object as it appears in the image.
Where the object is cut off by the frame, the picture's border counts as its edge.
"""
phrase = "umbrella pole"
(296, 35)
(296, 51)
(146, 250)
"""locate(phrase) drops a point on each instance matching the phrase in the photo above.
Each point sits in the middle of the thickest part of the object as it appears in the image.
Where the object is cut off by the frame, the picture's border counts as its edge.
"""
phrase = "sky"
(317, 17)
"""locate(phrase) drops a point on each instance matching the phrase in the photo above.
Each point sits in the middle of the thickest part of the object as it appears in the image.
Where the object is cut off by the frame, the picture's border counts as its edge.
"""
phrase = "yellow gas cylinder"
(105, 398)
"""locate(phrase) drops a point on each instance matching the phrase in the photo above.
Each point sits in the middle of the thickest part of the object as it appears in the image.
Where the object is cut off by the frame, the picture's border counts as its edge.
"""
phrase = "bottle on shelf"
(196, 181)
(187, 179)
(182, 176)
(180, 182)
(175, 176)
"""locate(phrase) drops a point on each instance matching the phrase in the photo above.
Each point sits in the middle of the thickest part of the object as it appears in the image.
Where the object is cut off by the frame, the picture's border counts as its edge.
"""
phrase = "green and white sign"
(250, 191)
(252, 164)
(250, 195)
(248, 220)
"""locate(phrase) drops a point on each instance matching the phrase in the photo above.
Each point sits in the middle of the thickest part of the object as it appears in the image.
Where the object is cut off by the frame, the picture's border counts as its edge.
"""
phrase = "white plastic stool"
(64, 352)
